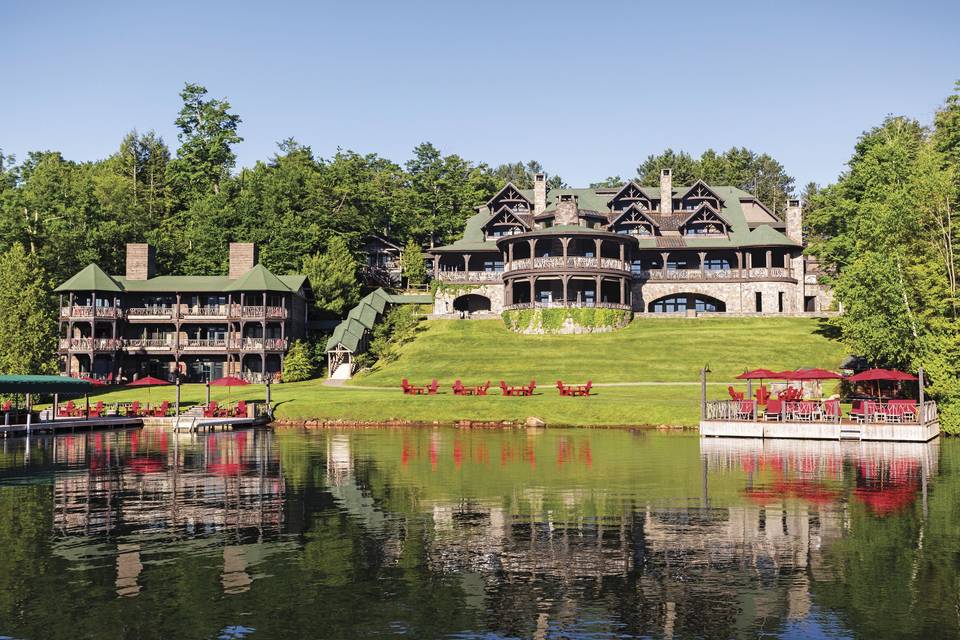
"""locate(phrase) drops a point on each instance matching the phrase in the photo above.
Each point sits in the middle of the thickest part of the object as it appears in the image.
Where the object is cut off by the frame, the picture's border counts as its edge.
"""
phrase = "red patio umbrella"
(94, 382)
(757, 374)
(148, 381)
(812, 374)
(876, 375)
(229, 381)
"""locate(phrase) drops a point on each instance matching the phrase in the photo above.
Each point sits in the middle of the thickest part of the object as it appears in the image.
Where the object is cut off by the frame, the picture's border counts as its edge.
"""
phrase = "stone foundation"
(445, 297)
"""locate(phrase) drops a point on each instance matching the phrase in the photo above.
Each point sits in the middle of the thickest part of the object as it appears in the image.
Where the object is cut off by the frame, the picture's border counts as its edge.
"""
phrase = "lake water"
(425, 533)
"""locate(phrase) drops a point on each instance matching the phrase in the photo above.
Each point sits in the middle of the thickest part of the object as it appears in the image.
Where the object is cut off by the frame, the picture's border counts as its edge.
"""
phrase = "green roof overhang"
(43, 384)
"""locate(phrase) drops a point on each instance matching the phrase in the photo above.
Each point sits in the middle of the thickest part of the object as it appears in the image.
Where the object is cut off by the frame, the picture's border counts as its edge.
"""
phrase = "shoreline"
(462, 424)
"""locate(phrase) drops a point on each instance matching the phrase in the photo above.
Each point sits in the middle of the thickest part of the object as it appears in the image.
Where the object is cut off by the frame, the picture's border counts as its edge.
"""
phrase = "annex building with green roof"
(697, 248)
(120, 327)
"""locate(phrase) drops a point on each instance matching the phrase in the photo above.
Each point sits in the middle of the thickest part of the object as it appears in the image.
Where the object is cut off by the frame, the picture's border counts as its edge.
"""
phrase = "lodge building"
(698, 248)
(202, 327)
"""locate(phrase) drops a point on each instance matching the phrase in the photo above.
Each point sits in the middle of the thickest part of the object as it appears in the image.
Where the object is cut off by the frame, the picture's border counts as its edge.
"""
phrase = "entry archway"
(471, 303)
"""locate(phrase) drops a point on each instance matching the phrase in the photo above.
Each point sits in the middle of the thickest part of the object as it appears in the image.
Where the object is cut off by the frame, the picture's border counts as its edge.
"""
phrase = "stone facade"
(141, 261)
(444, 303)
(243, 257)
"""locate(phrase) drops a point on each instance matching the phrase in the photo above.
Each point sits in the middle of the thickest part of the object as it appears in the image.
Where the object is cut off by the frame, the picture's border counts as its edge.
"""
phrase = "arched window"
(683, 302)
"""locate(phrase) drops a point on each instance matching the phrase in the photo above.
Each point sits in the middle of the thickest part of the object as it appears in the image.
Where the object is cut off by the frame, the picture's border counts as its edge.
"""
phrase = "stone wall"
(243, 257)
(443, 301)
(141, 261)
(739, 297)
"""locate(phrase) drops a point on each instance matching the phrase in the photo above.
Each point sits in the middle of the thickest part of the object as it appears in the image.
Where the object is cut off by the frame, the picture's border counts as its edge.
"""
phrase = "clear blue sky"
(589, 88)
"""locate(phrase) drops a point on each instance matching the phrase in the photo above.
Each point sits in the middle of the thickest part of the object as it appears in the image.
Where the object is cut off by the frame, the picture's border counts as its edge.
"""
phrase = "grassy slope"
(649, 350)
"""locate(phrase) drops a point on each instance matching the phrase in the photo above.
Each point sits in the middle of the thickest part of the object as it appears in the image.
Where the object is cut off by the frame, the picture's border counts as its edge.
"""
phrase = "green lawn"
(649, 350)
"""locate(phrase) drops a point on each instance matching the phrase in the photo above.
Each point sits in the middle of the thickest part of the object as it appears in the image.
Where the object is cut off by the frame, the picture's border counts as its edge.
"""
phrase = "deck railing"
(82, 311)
(557, 263)
(470, 276)
(89, 344)
(148, 343)
(207, 343)
(816, 411)
(206, 311)
(153, 310)
(761, 273)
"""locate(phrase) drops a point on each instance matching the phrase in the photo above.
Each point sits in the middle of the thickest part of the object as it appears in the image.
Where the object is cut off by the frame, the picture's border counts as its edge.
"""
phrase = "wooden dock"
(844, 430)
(70, 425)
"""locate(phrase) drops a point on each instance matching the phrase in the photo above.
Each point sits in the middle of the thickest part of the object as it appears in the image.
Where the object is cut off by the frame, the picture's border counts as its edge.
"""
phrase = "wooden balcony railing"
(149, 343)
(156, 311)
(259, 344)
(87, 312)
(206, 343)
(89, 344)
(470, 276)
(557, 263)
(208, 311)
(759, 273)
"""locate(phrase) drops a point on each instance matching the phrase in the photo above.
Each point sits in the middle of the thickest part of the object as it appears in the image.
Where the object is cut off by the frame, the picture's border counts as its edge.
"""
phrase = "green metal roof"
(43, 384)
(473, 239)
(365, 315)
(90, 278)
(93, 276)
(258, 279)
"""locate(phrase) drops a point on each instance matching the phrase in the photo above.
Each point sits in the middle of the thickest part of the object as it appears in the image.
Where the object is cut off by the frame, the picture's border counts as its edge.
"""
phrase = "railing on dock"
(818, 412)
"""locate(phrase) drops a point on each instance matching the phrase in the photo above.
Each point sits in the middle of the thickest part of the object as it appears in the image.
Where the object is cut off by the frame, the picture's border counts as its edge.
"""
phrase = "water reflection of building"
(735, 558)
(124, 497)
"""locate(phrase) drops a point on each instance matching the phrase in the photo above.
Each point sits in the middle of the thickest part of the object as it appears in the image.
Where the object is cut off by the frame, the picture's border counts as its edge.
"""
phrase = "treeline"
(886, 234)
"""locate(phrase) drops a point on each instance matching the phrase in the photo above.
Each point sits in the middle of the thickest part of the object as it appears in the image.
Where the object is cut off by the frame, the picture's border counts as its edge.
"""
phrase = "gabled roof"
(506, 210)
(90, 278)
(638, 187)
(394, 245)
(633, 207)
(258, 279)
(361, 319)
(699, 183)
(507, 186)
(706, 206)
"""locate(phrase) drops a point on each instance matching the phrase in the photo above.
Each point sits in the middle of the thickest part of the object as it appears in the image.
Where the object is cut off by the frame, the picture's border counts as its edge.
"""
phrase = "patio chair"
(564, 391)
(586, 388)
(211, 410)
(161, 411)
(241, 410)
(774, 410)
(762, 395)
(458, 388)
(482, 389)
(65, 411)
(504, 389)
(528, 391)
(831, 410)
(409, 389)
(434, 385)
(745, 410)
(97, 410)
(857, 413)
(134, 409)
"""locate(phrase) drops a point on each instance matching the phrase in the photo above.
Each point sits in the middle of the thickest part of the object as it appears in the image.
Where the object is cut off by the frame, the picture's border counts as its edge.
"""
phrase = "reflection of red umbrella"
(144, 465)
(887, 500)
(148, 381)
(229, 381)
(224, 468)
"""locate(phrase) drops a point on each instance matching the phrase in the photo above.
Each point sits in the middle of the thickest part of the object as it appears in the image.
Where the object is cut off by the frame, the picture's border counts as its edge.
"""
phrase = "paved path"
(686, 383)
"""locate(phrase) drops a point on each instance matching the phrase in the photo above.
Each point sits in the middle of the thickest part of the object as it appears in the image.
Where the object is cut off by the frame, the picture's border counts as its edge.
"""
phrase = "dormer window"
(630, 194)
(705, 221)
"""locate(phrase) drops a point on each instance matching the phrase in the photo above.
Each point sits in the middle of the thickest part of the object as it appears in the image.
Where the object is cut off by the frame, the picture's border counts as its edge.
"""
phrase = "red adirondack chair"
(458, 388)
(409, 389)
(564, 390)
(585, 389)
(482, 389)
(65, 411)
(211, 410)
(97, 410)
(161, 411)
(434, 385)
(831, 410)
(241, 410)
(134, 409)
(774, 410)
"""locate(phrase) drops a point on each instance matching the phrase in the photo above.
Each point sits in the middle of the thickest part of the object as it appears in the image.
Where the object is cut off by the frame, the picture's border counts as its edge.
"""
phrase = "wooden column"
(533, 289)
(436, 266)
(769, 258)
(466, 262)
(510, 254)
(565, 280)
(622, 253)
(703, 268)
(596, 296)
(664, 256)
(623, 293)
(566, 250)
(740, 264)
(597, 243)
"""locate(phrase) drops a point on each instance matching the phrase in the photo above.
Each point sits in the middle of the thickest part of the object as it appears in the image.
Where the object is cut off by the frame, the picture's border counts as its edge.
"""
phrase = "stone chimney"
(794, 219)
(539, 193)
(243, 257)
(141, 261)
(666, 191)
(567, 210)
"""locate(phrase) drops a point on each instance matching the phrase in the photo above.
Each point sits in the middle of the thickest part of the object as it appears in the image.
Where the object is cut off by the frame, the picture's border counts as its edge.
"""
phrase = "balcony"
(260, 312)
(259, 344)
(205, 344)
(150, 313)
(81, 312)
(217, 312)
(102, 345)
(471, 277)
(557, 263)
(149, 344)
(670, 275)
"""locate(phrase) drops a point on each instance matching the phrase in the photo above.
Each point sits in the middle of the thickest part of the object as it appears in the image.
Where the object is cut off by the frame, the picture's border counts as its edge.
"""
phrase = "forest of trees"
(884, 232)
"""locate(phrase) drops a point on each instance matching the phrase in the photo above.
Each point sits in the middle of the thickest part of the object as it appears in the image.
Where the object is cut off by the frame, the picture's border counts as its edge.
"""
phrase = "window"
(700, 304)
(493, 265)
(780, 301)
(758, 298)
(716, 264)
(682, 303)
(670, 305)
(545, 296)
(673, 264)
